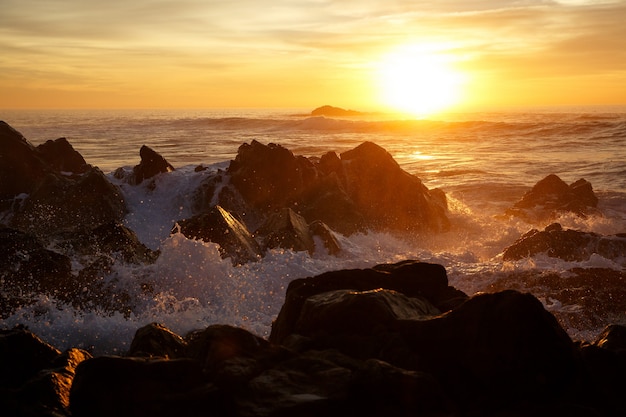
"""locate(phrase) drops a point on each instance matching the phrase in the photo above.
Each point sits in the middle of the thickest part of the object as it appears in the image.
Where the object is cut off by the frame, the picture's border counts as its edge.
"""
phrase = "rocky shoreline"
(395, 339)
(391, 340)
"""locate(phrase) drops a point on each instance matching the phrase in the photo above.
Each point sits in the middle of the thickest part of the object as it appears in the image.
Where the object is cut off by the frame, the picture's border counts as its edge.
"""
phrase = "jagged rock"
(152, 163)
(330, 242)
(364, 189)
(219, 226)
(388, 196)
(57, 190)
(62, 157)
(552, 195)
(27, 268)
(286, 229)
(155, 339)
(569, 245)
(411, 278)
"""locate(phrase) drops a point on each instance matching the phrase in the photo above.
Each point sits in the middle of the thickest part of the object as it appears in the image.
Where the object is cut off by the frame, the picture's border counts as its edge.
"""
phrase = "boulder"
(612, 338)
(552, 196)
(35, 377)
(27, 269)
(569, 245)
(286, 229)
(155, 339)
(219, 226)
(410, 278)
(364, 189)
(495, 349)
(328, 238)
(152, 163)
(56, 189)
(389, 197)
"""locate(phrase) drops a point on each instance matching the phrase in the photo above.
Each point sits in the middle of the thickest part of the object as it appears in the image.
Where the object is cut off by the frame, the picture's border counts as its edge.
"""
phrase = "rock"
(152, 163)
(330, 242)
(155, 339)
(27, 269)
(389, 197)
(494, 349)
(21, 166)
(62, 203)
(612, 338)
(364, 189)
(411, 278)
(56, 189)
(334, 111)
(219, 226)
(116, 386)
(552, 195)
(61, 157)
(569, 245)
(286, 229)
(360, 323)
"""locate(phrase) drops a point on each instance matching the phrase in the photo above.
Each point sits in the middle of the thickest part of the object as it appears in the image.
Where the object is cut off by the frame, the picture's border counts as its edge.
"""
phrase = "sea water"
(485, 162)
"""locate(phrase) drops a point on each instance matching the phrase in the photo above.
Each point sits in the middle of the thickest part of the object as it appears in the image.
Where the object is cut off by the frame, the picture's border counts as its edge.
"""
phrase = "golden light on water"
(419, 80)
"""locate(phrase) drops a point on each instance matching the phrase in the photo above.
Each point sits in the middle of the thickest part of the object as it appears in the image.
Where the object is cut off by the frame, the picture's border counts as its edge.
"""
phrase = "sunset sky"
(290, 53)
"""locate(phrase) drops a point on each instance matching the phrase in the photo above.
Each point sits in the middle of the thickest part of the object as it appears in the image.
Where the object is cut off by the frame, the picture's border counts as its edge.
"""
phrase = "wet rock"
(389, 197)
(612, 338)
(219, 226)
(552, 195)
(364, 189)
(569, 245)
(152, 164)
(56, 189)
(35, 378)
(27, 269)
(330, 242)
(155, 339)
(286, 229)
(411, 278)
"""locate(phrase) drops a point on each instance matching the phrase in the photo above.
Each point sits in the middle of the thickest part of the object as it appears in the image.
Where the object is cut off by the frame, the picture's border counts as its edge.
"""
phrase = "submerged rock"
(552, 195)
(569, 245)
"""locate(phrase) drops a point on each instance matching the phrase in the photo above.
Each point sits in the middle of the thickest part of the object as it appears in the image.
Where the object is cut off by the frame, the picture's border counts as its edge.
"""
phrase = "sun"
(417, 79)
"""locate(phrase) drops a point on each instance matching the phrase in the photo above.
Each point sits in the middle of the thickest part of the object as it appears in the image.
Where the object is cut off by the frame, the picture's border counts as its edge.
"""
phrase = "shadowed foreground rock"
(341, 351)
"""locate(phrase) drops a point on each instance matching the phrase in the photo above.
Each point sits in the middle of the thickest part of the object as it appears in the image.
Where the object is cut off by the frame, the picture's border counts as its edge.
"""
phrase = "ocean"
(484, 162)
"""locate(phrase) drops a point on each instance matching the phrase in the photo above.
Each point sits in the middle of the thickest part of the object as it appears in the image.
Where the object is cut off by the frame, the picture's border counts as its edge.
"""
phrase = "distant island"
(334, 111)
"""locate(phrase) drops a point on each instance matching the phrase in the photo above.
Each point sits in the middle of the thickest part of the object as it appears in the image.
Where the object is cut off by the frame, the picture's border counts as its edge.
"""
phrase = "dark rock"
(569, 245)
(411, 278)
(495, 349)
(612, 338)
(21, 166)
(219, 226)
(58, 189)
(330, 242)
(115, 386)
(389, 197)
(70, 203)
(156, 340)
(552, 195)
(62, 157)
(27, 269)
(22, 355)
(152, 163)
(286, 229)
(365, 189)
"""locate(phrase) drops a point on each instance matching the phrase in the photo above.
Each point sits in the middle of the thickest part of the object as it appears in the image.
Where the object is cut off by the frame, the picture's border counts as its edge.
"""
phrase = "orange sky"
(286, 53)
